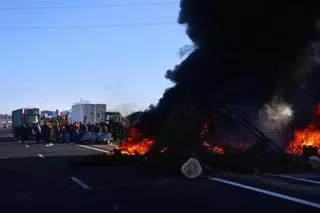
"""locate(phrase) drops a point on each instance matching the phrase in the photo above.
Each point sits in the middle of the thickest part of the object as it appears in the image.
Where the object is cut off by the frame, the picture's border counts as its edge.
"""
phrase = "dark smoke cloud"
(254, 40)
(246, 53)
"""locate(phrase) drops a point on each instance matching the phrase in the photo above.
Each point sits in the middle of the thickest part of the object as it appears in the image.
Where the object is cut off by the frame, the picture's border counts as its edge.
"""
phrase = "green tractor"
(116, 125)
(113, 117)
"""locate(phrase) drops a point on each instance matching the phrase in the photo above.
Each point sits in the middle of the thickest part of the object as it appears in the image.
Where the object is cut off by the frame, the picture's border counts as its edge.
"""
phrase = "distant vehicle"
(113, 117)
(116, 124)
(24, 116)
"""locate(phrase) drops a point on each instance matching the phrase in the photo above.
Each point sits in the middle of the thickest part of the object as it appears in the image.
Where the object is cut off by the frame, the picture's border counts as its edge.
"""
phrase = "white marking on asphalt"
(92, 148)
(27, 146)
(274, 194)
(296, 178)
(41, 156)
(82, 184)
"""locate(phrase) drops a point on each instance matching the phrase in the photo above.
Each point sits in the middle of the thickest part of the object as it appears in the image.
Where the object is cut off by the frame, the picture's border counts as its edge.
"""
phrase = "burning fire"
(309, 136)
(217, 149)
(135, 144)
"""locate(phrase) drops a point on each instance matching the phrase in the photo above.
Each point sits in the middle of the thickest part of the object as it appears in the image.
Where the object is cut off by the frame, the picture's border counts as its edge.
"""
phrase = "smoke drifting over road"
(246, 53)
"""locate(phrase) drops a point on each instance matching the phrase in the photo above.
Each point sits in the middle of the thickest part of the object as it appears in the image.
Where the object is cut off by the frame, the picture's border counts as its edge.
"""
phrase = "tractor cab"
(113, 117)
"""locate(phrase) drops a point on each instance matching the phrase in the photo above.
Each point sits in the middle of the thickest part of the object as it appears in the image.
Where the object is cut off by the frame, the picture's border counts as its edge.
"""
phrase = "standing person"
(78, 124)
(63, 133)
(24, 132)
(57, 132)
(67, 132)
(46, 132)
(75, 131)
(37, 129)
(82, 131)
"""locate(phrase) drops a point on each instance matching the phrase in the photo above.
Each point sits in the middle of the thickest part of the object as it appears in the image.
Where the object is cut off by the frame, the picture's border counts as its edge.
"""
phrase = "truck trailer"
(24, 116)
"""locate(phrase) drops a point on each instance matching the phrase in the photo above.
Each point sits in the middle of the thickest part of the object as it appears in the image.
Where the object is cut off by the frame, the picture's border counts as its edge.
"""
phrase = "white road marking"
(92, 148)
(296, 178)
(41, 156)
(274, 194)
(82, 184)
(27, 146)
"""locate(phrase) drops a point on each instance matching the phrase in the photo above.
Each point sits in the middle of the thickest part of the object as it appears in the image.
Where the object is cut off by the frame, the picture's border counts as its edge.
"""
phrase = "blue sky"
(120, 66)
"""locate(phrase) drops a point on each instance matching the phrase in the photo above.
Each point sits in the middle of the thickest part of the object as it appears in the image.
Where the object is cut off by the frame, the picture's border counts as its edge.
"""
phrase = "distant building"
(88, 113)
(5, 121)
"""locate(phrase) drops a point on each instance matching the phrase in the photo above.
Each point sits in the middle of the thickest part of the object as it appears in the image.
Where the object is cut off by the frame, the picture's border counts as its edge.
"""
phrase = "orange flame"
(309, 136)
(135, 144)
(218, 149)
(206, 144)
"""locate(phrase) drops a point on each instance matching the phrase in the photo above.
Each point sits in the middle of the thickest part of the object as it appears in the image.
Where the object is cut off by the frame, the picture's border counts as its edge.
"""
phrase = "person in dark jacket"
(46, 132)
(56, 131)
(37, 130)
(68, 132)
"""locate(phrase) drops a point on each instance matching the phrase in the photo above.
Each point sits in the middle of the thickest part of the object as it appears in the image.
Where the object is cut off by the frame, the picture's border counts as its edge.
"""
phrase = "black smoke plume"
(246, 52)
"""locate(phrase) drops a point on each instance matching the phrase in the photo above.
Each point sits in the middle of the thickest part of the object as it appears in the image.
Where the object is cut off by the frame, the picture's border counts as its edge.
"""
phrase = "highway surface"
(40, 177)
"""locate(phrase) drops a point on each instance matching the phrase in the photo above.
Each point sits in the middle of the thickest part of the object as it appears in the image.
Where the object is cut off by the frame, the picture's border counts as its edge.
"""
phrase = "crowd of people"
(64, 133)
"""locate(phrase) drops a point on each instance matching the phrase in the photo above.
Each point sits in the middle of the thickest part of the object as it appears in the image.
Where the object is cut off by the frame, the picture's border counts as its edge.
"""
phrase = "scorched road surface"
(39, 177)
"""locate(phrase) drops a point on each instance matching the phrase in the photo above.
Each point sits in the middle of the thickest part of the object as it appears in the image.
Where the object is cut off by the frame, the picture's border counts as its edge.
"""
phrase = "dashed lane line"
(41, 156)
(267, 192)
(80, 183)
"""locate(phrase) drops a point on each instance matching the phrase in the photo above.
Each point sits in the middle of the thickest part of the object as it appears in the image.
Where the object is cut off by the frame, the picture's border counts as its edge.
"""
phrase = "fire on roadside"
(219, 149)
(135, 143)
(307, 137)
(213, 148)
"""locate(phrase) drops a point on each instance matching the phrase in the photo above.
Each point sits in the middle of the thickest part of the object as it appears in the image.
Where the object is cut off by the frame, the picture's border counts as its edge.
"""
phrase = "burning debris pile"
(204, 141)
(246, 53)
(304, 140)
(134, 144)
(307, 140)
(217, 149)
(236, 61)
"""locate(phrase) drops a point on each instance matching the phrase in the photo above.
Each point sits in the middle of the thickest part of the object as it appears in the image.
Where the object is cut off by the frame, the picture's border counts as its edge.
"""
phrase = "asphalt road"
(39, 177)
